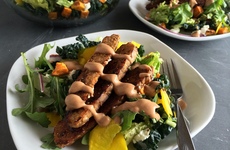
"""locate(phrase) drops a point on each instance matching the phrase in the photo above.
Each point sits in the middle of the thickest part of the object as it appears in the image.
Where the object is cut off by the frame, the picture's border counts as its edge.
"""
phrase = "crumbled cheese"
(176, 28)
(143, 135)
(70, 75)
(204, 29)
(87, 6)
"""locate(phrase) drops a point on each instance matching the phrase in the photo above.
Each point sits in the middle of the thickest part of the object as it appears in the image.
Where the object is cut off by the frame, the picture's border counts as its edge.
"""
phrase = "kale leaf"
(150, 143)
(71, 51)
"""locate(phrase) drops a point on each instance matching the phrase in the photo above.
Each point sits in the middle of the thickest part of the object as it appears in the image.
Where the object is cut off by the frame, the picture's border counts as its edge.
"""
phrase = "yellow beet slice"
(101, 138)
(54, 118)
(165, 102)
(118, 143)
(86, 55)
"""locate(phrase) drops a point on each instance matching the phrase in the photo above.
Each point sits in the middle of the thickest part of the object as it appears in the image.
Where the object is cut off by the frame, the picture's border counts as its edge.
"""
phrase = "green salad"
(65, 9)
(196, 18)
(46, 101)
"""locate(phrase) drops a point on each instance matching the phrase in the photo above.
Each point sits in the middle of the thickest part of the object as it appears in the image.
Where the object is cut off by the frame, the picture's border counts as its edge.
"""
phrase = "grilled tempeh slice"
(64, 135)
(90, 78)
(118, 66)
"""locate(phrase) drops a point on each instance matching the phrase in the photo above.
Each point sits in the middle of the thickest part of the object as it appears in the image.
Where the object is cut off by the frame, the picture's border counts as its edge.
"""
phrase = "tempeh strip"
(64, 135)
(90, 78)
(118, 66)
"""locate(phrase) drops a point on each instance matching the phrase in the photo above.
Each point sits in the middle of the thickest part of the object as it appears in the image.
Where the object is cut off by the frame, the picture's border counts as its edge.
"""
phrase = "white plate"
(197, 92)
(138, 9)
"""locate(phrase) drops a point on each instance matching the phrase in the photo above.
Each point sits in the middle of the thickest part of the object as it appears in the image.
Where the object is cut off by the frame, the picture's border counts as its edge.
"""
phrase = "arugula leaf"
(48, 142)
(58, 94)
(17, 111)
(43, 102)
(34, 96)
(30, 105)
(42, 61)
(39, 117)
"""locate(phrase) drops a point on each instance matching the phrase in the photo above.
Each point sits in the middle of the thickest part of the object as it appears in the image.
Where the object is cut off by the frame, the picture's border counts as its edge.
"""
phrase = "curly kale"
(150, 143)
(87, 43)
(71, 51)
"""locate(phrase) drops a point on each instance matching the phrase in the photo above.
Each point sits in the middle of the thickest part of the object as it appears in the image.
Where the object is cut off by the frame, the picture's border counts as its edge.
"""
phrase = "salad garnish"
(141, 119)
(194, 18)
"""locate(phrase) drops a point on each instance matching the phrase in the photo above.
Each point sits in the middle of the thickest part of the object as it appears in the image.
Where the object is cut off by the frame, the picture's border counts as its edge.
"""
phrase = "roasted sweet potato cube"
(102, 1)
(84, 13)
(78, 5)
(66, 12)
(53, 15)
(60, 69)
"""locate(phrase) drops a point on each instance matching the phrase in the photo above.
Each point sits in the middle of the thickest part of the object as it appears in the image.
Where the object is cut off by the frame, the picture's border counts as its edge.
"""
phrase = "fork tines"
(169, 69)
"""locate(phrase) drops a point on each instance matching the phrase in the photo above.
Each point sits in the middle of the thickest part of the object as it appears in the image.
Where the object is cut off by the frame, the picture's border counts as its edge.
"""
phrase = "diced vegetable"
(222, 30)
(84, 13)
(78, 5)
(197, 11)
(52, 15)
(60, 69)
(102, 1)
(66, 12)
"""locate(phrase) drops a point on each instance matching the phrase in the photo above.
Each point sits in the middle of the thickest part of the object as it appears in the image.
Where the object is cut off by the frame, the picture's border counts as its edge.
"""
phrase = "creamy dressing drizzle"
(145, 105)
(121, 88)
(94, 66)
(74, 101)
(104, 48)
(80, 86)
(122, 56)
(72, 65)
(150, 88)
(142, 75)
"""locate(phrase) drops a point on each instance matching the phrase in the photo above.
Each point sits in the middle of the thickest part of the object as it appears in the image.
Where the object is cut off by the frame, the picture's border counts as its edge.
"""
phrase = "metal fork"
(184, 139)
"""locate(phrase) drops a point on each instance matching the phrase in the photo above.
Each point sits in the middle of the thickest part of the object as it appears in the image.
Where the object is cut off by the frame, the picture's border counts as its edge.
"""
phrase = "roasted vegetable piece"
(66, 12)
(60, 69)
(197, 11)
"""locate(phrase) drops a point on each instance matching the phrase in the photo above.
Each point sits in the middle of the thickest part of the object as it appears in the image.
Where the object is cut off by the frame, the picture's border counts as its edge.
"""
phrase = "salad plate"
(197, 92)
(138, 9)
